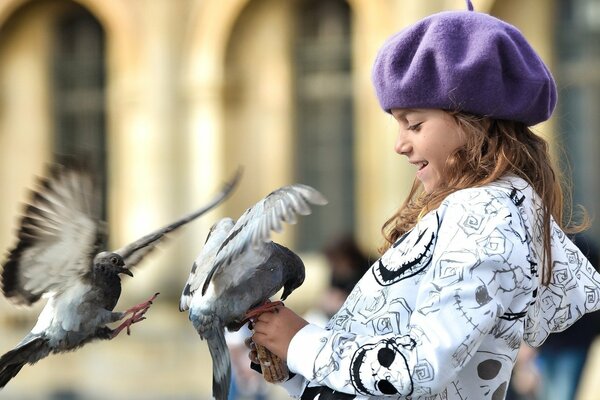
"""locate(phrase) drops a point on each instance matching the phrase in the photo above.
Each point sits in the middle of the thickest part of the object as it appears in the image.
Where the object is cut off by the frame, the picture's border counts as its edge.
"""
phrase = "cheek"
(438, 156)
(458, 137)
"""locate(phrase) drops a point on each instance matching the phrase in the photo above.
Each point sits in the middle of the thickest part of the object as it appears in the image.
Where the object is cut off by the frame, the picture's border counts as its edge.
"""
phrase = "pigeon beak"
(126, 272)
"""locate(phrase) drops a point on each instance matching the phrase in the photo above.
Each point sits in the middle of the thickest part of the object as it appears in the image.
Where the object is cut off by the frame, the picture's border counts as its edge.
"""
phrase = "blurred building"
(166, 98)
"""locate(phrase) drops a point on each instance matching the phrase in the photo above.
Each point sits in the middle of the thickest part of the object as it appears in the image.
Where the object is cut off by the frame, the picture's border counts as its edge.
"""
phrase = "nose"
(402, 146)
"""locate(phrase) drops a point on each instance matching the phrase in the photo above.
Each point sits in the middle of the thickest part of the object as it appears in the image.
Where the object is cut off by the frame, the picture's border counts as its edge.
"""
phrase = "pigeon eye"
(114, 260)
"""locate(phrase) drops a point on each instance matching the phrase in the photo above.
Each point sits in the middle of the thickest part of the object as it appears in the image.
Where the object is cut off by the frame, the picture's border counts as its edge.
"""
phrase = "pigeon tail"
(29, 352)
(221, 362)
(10, 371)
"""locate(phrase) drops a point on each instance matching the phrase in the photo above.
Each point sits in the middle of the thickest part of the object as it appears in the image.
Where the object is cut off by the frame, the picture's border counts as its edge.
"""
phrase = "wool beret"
(466, 61)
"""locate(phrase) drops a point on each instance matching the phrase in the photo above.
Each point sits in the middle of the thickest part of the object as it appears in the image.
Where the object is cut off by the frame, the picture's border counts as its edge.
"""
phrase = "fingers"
(264, 332)
(252, 321)
(262, 323)
(268, 316)
(274, 330)
(253, 355)
(260, 338)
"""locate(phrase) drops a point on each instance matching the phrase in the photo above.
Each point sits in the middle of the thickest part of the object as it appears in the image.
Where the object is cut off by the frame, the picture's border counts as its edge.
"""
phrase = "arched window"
(324, 119)
(288, 108)
(78, 98)
(578, 78)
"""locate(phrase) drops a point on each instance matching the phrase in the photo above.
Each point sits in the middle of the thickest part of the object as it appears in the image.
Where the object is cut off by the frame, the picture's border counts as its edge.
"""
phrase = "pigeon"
(239, 268)
(58, 257)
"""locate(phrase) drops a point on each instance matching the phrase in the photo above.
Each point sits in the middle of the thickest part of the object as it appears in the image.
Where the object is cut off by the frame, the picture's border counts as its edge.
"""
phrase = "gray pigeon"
(57, 257)
(240, 268)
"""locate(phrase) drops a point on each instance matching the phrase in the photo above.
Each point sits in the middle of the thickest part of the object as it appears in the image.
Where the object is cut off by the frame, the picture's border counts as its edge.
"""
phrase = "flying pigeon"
(57, 257)
(240, 268)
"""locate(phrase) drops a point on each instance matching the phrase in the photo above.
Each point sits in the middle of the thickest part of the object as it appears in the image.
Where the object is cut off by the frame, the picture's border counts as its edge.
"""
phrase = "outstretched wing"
(255, 225)
(58, 235)
(203, 263)
(134, 252)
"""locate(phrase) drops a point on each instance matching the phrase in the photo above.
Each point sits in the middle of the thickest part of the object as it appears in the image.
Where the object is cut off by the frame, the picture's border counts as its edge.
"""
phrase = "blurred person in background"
(526, 376)
(347, 263)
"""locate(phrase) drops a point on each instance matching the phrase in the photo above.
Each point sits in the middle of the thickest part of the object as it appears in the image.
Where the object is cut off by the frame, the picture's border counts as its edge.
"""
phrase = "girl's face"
(427, 137)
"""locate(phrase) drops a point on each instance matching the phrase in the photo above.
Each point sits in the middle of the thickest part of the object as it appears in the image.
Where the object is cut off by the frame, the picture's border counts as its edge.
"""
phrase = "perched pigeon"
(239, 268)
(57, 257)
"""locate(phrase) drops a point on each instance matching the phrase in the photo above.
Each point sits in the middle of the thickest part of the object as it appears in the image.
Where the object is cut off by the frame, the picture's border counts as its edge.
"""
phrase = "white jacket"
(442, 313)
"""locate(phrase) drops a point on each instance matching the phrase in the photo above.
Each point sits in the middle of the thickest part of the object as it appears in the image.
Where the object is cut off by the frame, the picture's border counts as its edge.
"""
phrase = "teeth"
(421, 164)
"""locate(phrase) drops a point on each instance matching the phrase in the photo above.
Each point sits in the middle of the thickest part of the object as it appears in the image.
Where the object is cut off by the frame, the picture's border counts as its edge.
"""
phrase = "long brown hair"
(493, 149)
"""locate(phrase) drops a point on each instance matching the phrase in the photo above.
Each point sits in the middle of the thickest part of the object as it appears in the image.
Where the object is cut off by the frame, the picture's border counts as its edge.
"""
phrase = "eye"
(415, 127)
(114, 260)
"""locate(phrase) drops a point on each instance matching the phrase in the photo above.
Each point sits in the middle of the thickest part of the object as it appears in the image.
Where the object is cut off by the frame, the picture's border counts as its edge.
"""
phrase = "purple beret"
(466, 61)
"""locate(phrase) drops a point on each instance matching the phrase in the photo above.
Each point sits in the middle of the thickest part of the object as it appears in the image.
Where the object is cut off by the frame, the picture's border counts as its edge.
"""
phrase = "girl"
(476, 259)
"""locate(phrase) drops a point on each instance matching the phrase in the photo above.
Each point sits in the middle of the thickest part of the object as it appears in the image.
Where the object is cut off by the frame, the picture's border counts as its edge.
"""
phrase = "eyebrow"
(402, 114)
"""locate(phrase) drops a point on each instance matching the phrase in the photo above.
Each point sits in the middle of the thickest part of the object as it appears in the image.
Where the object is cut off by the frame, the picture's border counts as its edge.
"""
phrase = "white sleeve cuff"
(294, 386)
(304, 348)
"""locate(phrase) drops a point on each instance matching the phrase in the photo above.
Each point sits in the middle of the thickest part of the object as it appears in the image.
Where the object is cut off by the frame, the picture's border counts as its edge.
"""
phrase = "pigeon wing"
(255, 225)
(203, 263)
(59, 234)
(134, 252)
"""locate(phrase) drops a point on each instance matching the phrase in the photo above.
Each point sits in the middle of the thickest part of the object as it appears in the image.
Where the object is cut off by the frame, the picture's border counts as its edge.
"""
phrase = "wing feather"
(134, 252)
(255, 225)
(203, 263)
(57, 235)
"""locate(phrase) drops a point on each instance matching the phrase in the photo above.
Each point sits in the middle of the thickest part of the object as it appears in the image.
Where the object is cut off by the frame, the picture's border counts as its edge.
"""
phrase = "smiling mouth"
(420, 165)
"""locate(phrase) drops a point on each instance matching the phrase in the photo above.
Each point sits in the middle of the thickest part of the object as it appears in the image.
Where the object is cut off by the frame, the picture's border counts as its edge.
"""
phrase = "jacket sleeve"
(479, 264)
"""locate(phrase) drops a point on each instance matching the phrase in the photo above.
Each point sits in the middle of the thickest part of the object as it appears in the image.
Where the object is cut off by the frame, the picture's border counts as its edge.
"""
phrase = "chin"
(429, 187)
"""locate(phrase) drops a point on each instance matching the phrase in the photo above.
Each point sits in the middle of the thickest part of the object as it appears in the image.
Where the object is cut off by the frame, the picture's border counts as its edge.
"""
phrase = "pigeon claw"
(142, 307)
(137, 314)
(267, 306)
(134, 318)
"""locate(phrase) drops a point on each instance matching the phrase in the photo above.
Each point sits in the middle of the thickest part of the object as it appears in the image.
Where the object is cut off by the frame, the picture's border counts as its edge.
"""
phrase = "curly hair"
(493, 148)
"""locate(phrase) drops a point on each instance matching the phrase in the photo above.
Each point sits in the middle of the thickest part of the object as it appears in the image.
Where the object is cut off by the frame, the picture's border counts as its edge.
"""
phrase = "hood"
(574, 287)
(574, 290)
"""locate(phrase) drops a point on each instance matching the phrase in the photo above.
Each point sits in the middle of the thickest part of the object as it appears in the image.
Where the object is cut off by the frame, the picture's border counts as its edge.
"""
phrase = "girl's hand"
(252, 355)
(275, 330)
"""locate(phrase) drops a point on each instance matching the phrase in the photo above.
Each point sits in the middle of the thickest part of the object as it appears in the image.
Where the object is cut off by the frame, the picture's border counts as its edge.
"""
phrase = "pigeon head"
(294, 273)
(110, 263)
(295, 280)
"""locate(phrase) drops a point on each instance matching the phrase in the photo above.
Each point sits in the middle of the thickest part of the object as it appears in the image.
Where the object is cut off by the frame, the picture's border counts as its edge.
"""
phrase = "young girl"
(476, 258)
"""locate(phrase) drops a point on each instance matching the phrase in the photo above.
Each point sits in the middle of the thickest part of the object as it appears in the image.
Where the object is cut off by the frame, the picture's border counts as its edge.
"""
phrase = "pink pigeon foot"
(137, 314)
(267, 306)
